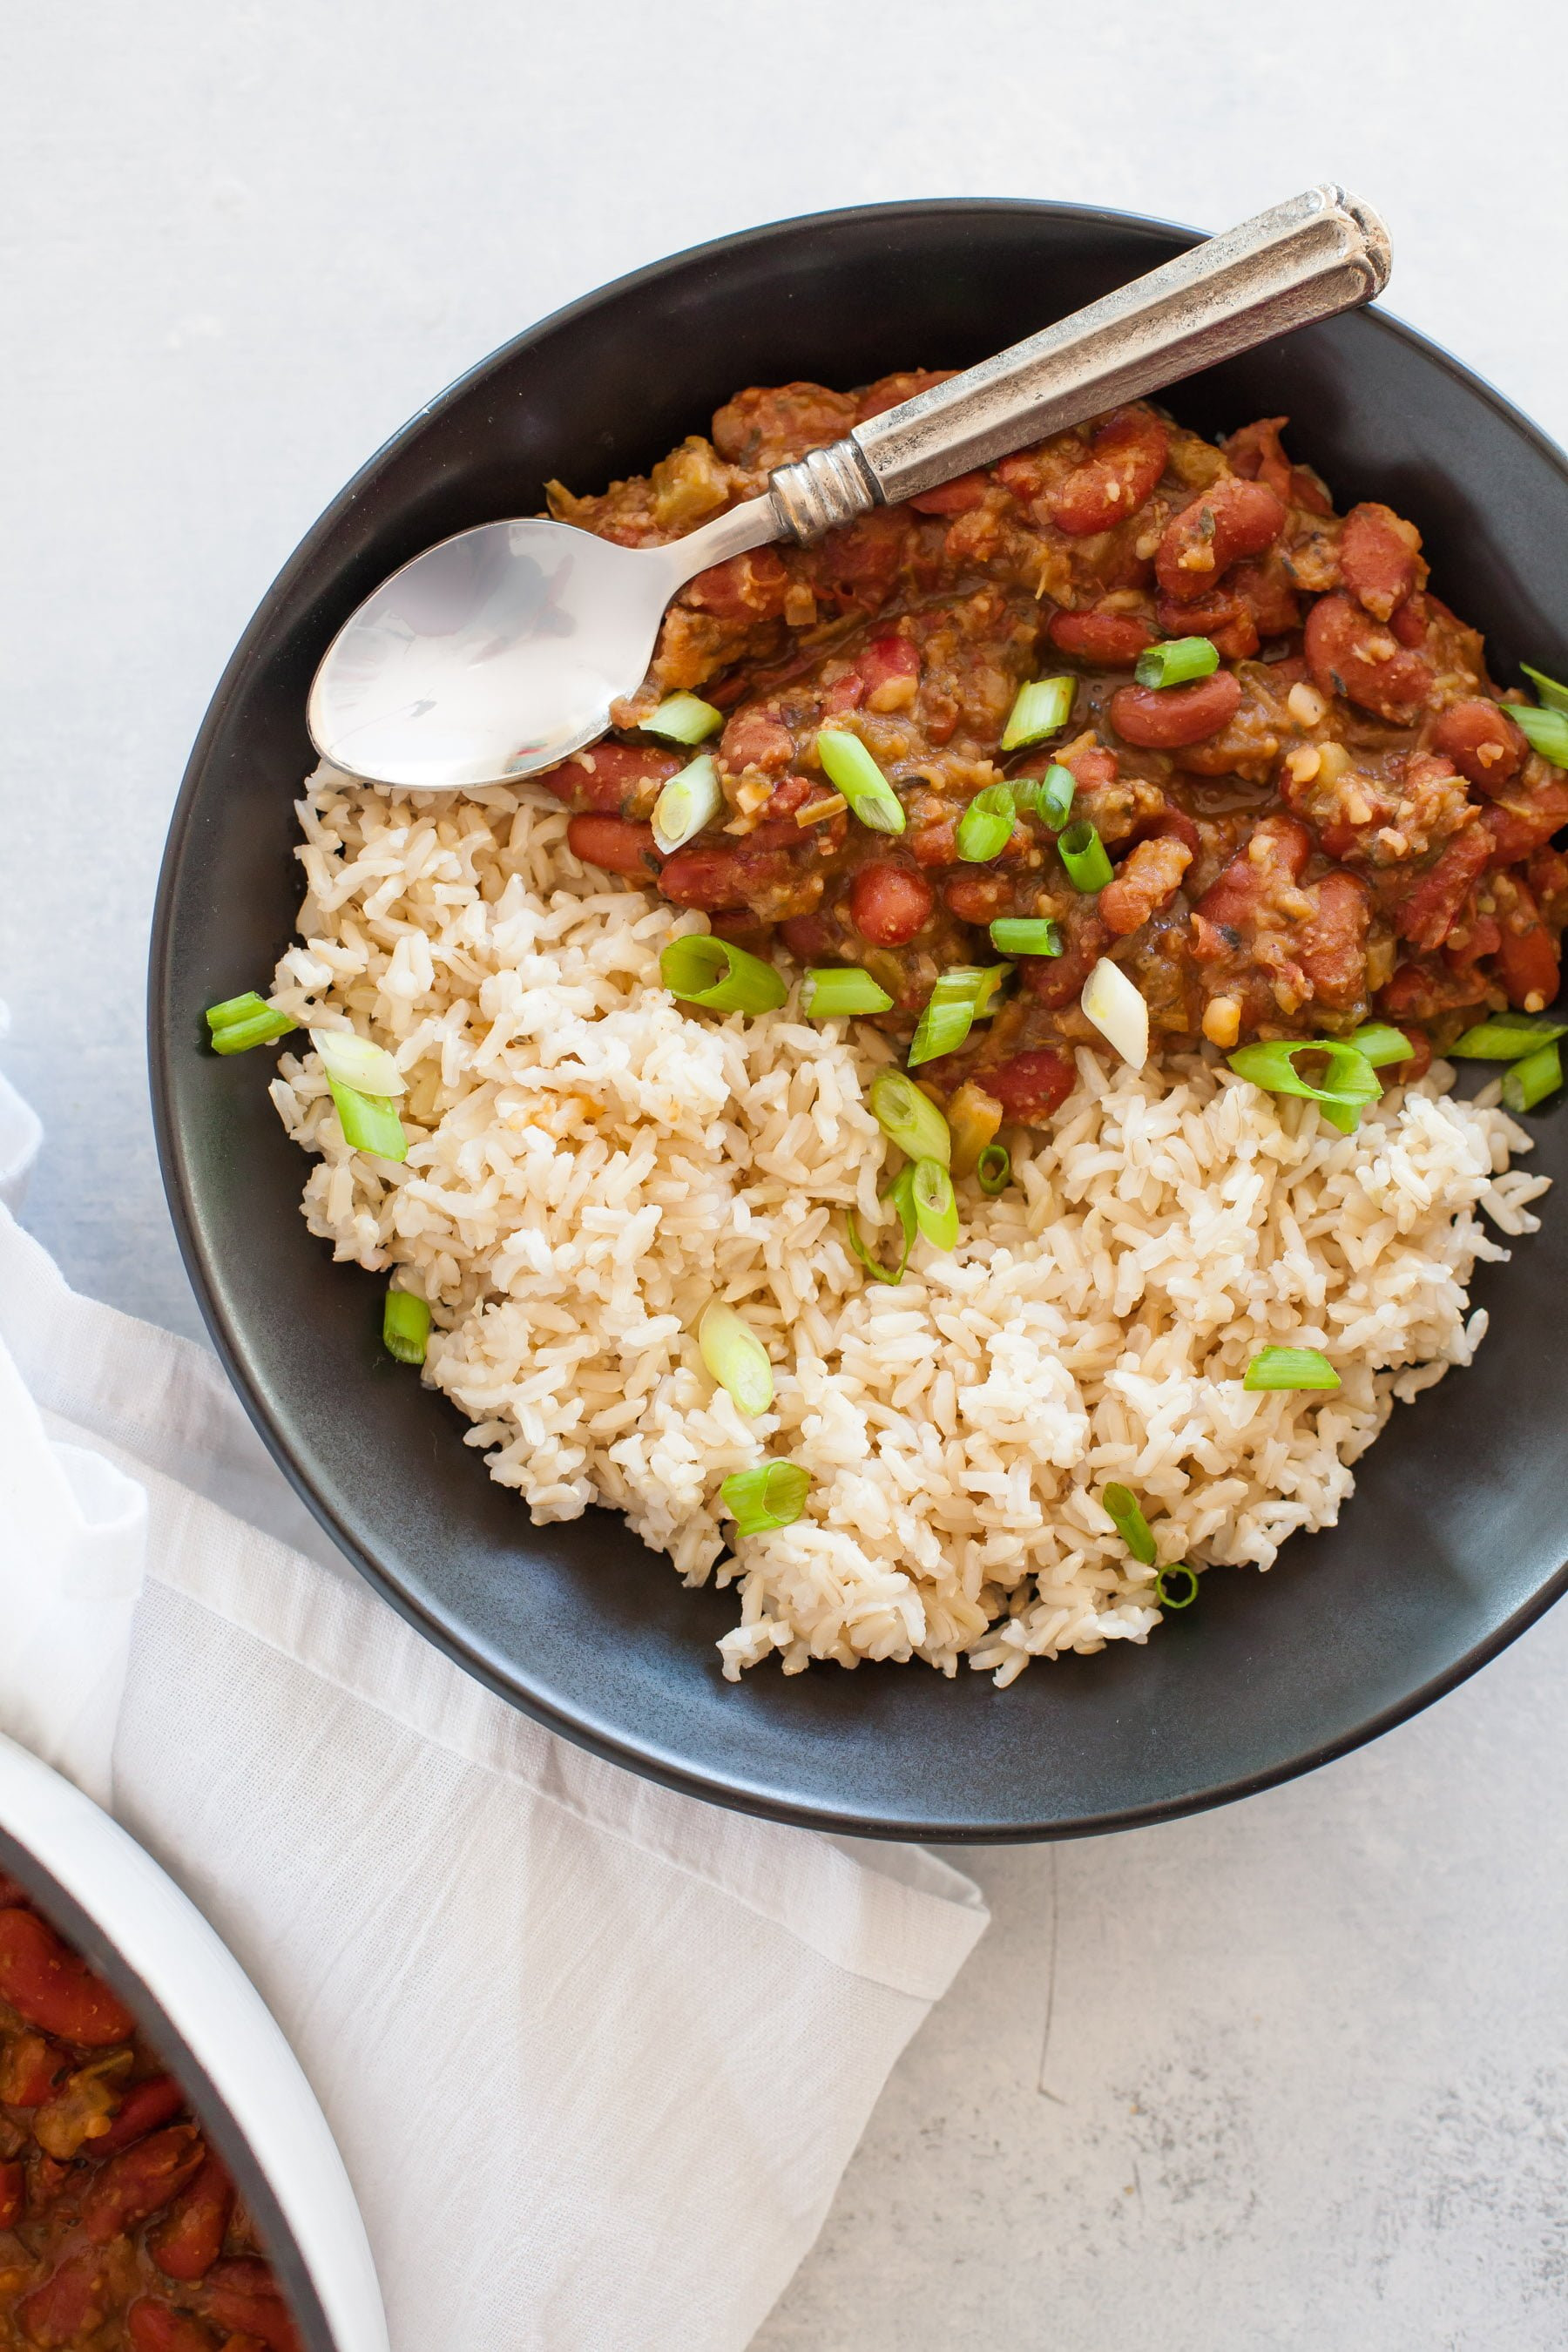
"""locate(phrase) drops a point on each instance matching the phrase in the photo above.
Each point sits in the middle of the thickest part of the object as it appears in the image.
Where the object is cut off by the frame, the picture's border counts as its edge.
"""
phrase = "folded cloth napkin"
(595, 2055)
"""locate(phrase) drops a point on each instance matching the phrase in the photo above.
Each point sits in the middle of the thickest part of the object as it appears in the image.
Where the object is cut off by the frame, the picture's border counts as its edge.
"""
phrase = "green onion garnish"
(828, 992)
(1082, 852)
(1122, 1503)
(1172, 1595)
(369, 1122)
(1041, 709)
(910, 1119)
(1176, 661)
(851, 767)
(1290, 1368)
(987, 825)
(770, 1494)
(683, 718)
(993, 1168)
(736, 1358)
(354, 1061)
(1350, 1082)
(1546, 730)
(1554, 695)
(960, 998)
(1532, 1079)
(241, 1022)
(687, 803)
(405, 1326)
(702, 970)
(1018, 935)
(1048, 797)
(1383, 1045)
(936, 1203)
(900, 1192)
(1505, 1036)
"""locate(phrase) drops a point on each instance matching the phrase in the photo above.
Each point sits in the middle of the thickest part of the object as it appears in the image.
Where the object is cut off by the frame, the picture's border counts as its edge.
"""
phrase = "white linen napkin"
(595, 2055)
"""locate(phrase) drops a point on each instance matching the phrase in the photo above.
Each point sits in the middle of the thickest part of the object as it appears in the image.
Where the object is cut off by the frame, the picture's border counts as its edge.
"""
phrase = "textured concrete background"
(1290, 2075)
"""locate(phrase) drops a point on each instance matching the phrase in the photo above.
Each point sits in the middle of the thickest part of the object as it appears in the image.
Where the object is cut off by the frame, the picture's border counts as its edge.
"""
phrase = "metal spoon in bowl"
(498, 652)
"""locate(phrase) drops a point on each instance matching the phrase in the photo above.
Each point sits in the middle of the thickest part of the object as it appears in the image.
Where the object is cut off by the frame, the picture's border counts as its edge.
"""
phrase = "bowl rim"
(638, 1754)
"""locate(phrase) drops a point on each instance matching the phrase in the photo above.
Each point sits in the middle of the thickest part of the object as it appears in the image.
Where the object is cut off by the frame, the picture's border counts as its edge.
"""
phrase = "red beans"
(756, 739)
(49, 1987)
(1222, 616)
(240, 2294)
(978, 896)
(1145, 880)
(154, 2327)
(1528, 962)
(1127, 458)
(709, 878)
(1526, 818)
(1104, 640)
(1331, 946)
(189, 2243)
(605, 778)
(1378, 555)
(1482, 743)
(1350, 655)
(1161, 717)
(70, 2303)
(747, 588)
(1428, 913)
(889, 904)
(13, 2194)
(890, 668)
(140, 2181)
(144, 2107)
(1031, 1087)
(951, 498)
(1230, 520)
(614, 843)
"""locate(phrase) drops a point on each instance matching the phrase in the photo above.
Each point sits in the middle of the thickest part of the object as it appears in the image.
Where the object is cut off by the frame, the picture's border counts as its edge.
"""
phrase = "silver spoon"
(498, 652)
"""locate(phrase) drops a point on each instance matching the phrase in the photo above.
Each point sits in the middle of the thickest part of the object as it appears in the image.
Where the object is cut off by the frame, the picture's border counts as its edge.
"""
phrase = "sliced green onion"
(936, 1203)
(1290, 1368)
(1505, 1036)
(1350, 1082)
(1048, 797)
(1554, 695)
(1547, 730)
(910, 1119)
(770, 1494)
(900, 1192)
(1018, 935)
(1131, 1524)
(1176, 661)
(687, 803)
(736, 1357)
(993, 1168)
(1082, 852)
(241, 1022)
(829, 992)
(1171, 1594)
(1041, 709)
(683, 718)
(1118, 1010)
(354, 1061)
(702, 970)
(368, 1121)
(850, 766)
(405, 1326)
(1532, 1079)
(960, 998)
(987, 825)
(1382, 1044)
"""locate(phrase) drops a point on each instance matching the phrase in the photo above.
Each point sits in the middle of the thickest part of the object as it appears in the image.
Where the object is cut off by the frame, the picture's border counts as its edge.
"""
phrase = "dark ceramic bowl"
(1458, 1530)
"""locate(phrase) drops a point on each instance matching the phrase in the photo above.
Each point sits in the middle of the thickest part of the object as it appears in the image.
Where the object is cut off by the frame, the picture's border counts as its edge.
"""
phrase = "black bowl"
(1458, 1533)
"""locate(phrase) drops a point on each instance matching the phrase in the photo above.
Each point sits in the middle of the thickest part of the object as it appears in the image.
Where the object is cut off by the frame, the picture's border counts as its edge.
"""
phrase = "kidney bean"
(1230, 520)
(811, 938)
(978, 896)
(1264, 586)
(29, 2069)
(153, 2327)
(888, 390)
(49, 1987)
(189, 2242)
(1104, 640)
(605, 778)
(749, 587)
(1032, 1087)
(1349, 655)
(68, 2304)
(1420, 990)
(771, 424)
(890, 668)
(957, 497)
(1428, 911)
(1331, 945)
(889, 904)
(1527, 819)
(13, 2194)
(1482, 743)
(616, 843)
(139, 2181)
(1378, 554)
(709, 878)
(1055, 982)
(1256, 454)
(240, 2294)
(1250, 884)
(756, 739)
(1146, 879)
(854, 567)
(1159, 717)
(1127, 458)
(145, 2105)
(1224, 617)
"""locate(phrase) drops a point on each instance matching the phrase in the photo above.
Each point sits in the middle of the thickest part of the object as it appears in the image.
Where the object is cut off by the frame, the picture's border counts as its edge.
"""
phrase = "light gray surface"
(1304, 2082)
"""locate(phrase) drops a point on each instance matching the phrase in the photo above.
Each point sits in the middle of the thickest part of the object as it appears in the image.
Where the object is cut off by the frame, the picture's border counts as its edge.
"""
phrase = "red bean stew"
(119, 2227)
(1341, 820)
